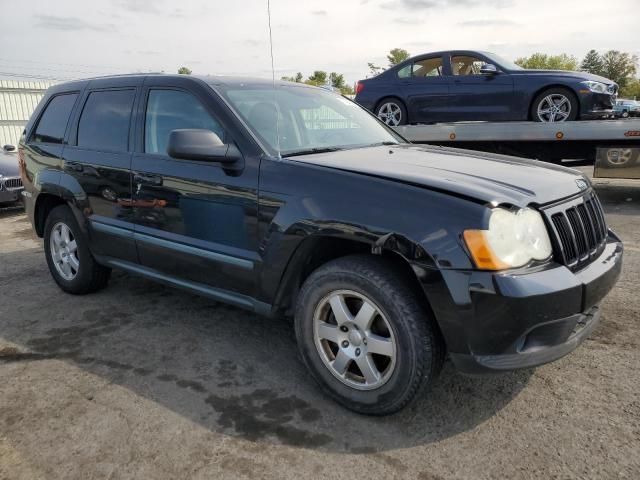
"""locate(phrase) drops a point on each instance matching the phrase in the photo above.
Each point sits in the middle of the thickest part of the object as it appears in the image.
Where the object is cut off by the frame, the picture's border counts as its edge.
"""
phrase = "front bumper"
(596, 105)
(506, 321)
(10, 196)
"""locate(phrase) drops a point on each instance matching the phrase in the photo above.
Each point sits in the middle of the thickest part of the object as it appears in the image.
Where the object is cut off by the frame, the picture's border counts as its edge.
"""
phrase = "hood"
(478, 176)
(9, 165)
(565, 73)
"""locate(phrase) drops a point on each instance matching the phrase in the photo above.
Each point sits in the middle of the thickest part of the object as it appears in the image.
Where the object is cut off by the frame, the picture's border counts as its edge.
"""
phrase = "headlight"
(513, 239)
(596, 87)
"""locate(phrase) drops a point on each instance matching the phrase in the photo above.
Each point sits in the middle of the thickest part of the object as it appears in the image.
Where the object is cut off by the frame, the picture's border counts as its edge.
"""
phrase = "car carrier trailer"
(613, 146)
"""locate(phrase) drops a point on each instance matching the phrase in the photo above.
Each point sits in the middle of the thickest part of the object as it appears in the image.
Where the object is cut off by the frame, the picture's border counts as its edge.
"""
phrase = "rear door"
(98, 157)
(195, 220)
(474, 96)
(426, 89)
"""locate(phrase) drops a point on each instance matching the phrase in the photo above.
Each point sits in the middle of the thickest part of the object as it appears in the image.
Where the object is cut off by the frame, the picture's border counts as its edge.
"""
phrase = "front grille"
(579, 229)
(12, 183)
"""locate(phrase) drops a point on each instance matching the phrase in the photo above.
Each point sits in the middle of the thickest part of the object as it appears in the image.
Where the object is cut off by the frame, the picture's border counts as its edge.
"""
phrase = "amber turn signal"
(480, 251)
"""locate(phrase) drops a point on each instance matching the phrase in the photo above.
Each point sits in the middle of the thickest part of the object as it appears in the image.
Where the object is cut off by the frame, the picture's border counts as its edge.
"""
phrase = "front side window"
(293, 119)
(169, 110)
(429, 67)
(104, 123)
(53, 121)
(465, 65)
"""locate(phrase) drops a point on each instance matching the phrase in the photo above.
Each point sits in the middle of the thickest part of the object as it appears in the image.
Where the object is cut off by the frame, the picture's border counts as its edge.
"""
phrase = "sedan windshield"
(295, 119)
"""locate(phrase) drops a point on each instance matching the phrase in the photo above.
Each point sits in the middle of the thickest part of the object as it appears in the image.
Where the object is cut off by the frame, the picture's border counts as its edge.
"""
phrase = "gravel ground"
(142, 381)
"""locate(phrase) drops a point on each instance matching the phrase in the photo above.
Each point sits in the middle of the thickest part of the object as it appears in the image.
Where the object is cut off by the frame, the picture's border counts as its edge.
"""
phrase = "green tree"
(337, 80)
(620, 67)
(397, 55)
(592, 63)
(318, 78)
(631, 89)
(542, 61)
(374, 69)
(297, 79)
(184, 71)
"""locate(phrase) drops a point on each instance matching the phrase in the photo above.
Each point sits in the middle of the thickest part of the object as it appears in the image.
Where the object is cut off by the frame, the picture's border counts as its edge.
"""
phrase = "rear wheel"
(366, 336)
(70, 262)
(555, 105)
(392, 112)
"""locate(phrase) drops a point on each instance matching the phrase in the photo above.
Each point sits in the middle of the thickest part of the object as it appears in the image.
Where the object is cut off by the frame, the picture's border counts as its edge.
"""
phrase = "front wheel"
(366, 336)
(625, 114)
(392, 112)
(554, 105)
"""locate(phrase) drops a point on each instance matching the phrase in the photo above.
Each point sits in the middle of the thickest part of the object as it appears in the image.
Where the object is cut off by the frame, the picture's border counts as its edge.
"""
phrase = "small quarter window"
(405, 72)
(53, 121)
(169, 110)
(104, 123)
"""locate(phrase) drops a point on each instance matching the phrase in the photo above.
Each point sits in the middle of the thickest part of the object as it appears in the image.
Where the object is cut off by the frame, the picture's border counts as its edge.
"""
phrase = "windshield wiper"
(308, 151)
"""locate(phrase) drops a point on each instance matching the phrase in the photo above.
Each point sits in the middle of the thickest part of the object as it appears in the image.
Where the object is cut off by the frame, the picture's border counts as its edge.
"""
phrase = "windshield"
(502, 62)
(309, 119)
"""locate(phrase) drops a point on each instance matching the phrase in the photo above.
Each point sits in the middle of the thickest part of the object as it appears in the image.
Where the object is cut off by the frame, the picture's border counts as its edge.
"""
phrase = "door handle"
(142, 179)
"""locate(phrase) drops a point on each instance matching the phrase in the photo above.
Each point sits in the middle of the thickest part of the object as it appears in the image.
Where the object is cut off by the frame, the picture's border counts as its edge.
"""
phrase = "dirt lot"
(141, 381)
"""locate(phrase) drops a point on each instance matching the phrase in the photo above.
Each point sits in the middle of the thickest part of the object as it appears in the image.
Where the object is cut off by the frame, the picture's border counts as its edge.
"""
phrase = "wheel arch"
(316, 250)
(563, 86)
(390, 97)
(65, 190)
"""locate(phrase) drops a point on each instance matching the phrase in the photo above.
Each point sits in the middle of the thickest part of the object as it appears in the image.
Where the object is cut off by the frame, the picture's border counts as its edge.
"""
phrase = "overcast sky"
(79, 38)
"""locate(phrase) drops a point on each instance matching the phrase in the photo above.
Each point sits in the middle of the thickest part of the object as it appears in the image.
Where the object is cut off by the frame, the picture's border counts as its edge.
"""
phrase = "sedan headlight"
(595, 87)
(513, 239)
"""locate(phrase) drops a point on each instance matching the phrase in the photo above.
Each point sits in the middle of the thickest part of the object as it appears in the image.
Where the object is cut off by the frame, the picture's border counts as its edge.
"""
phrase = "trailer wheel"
(555, 105)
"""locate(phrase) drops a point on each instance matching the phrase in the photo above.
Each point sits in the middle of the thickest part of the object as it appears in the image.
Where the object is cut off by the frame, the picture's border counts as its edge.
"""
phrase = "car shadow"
(225, 369)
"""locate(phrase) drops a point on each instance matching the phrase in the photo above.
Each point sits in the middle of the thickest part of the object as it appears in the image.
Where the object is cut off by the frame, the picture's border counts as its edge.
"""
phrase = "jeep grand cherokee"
(286, 199)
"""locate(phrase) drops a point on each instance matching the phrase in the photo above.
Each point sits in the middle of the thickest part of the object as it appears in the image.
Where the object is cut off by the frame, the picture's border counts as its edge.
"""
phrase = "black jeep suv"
(291, 200)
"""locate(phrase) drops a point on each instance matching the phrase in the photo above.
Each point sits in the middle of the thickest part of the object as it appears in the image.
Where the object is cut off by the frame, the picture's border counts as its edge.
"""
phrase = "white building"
(18, 99)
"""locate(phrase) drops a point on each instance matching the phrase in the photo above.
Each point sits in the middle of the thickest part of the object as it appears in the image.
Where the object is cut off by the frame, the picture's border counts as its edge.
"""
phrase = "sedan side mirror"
(488, 69)
(201, 145)
(8, 148)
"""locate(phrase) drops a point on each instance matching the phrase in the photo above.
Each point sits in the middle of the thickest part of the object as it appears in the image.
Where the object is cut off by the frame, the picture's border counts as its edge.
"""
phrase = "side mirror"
(8, 148)
(488, 69)
(202, 145)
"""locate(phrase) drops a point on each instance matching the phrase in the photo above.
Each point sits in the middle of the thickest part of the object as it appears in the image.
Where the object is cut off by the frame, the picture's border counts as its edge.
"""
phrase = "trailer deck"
(613, 145)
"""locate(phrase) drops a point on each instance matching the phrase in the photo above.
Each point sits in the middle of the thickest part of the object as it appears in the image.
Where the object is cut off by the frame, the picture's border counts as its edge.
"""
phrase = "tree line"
(621, 67)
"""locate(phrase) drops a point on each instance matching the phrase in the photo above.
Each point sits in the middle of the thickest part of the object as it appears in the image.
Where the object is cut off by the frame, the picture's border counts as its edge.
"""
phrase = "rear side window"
(169, 110)
(53, 121)
(104, 123)
(430, 67)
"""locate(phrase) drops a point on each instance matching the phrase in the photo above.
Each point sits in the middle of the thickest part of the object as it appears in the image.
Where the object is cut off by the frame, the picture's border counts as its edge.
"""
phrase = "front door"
(426, 89)
(195, 220)
(474, 96)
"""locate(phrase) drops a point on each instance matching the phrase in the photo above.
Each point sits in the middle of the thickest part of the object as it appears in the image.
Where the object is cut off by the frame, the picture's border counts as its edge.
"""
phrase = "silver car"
(10, 181)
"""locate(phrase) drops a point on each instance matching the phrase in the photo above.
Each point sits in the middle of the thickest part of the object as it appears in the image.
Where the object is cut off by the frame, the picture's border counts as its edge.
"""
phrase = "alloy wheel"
(554, 108)
(354, 339)
(64, 251)
(390, 113)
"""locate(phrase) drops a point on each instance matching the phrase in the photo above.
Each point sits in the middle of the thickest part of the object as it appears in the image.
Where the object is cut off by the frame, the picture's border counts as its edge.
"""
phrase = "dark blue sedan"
(467, 85)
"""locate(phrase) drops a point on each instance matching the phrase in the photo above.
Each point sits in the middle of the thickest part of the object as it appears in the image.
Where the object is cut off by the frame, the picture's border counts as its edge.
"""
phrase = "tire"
(392, 112)
(86, 275)
(556, 95)
(418, 347)
(625, 114)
